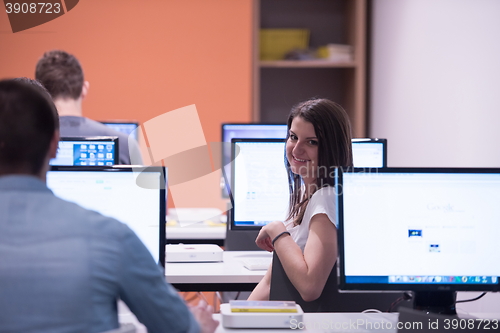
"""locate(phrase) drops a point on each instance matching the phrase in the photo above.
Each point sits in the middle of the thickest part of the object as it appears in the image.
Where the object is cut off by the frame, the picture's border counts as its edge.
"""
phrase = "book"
(262, 306)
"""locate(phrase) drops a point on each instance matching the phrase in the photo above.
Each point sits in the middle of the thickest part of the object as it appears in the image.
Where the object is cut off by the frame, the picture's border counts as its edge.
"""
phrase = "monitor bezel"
(400, 286)
(113, 139)
(224, 141)
(120, 168)
(125, 122)
(375, 141)
(233, 152)
(223, 125)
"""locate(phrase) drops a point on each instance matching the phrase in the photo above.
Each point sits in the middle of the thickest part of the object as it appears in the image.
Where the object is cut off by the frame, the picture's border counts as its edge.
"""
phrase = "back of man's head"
(28, 122)
(61, 74)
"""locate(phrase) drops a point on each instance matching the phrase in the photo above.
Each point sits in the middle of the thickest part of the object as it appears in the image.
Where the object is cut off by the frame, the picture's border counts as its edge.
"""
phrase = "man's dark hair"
(61, 74)
(28, 121)
(34, 83)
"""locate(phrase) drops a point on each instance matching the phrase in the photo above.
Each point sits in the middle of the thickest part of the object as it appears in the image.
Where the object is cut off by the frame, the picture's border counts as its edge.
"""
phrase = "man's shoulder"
(103, 128)
(87, 126)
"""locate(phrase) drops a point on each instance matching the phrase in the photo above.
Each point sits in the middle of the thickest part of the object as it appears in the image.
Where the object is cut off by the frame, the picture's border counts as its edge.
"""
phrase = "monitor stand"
(441, 302)
(241, 240)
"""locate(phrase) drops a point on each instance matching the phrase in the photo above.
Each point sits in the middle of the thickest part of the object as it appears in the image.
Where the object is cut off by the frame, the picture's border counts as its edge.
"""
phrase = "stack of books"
(339, 52)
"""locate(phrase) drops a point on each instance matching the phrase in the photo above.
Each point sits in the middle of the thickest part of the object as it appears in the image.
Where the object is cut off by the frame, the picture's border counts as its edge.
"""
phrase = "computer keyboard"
(255, 264)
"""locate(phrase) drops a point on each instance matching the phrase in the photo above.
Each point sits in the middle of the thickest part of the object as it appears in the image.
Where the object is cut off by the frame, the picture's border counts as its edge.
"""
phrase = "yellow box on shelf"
(276, 43)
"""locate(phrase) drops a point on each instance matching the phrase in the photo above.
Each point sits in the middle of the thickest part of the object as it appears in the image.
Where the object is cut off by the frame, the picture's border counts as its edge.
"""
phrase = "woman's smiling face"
(302, 149)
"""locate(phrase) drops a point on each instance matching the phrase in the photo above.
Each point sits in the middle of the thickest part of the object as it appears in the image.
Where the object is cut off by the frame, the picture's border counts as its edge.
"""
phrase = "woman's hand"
(267, 233)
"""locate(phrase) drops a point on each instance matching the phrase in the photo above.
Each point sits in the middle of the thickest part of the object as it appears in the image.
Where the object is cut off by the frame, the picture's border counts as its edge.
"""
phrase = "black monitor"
(434, 231)
(125, 126)
(369, 152)
(259, 184)
(134, 196)
(245, 131)
(87, 151)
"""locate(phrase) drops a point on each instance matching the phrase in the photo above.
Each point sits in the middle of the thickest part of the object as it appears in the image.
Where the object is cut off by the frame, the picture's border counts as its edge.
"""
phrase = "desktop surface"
(228, 275)
(329, 322)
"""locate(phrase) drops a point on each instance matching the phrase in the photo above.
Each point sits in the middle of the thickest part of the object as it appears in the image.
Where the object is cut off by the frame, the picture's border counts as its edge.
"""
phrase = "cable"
(472, 299)
(406, 296)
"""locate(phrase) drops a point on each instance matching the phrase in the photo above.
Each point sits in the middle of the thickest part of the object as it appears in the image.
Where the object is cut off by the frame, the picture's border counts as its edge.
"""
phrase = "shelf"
(306, 64)
(280, 84)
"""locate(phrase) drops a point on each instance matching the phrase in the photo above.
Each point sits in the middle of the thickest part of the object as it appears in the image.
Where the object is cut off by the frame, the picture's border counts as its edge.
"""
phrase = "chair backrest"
(331, 300)
(124, 328)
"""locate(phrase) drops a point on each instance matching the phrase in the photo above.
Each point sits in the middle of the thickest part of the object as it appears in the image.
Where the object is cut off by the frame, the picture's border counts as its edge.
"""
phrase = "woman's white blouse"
(323, 201)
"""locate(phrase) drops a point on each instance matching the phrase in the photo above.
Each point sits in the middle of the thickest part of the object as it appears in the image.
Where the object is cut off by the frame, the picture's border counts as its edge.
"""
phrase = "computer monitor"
(87, 151)
(126, 127)
(369, 153)
(259, 184)
(245, 131)
(260, 187)
(431, 230)
(119, 192)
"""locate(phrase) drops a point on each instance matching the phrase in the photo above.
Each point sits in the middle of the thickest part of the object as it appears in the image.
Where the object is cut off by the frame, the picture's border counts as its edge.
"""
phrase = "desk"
(337, 322)
(332, 322)
(229, 275)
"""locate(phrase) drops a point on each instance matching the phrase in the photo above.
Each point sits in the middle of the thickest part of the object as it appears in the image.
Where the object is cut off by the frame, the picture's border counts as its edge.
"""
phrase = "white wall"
(435, 88)
(435, 81)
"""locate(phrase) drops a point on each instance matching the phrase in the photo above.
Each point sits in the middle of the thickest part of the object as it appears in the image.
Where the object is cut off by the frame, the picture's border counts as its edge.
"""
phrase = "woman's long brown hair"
(333, 131)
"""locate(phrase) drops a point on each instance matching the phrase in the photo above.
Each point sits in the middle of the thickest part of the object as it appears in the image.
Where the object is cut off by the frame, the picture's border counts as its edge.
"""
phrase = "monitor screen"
(87, 151)
(113, 192)
(126, 127)
(260, 185)
(419, 229)
(246, 131)
(369, 153)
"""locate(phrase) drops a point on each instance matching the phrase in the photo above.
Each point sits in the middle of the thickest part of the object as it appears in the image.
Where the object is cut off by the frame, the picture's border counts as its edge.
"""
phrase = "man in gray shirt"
(62, 75)
(62, 267)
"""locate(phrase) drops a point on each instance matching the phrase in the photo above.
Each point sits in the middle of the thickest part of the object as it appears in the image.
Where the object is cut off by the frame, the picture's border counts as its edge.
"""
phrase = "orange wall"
(144, 58)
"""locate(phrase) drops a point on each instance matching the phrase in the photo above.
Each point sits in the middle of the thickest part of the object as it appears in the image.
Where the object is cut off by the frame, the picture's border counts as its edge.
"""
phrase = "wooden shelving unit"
(278, 85)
